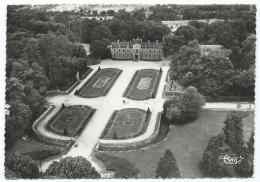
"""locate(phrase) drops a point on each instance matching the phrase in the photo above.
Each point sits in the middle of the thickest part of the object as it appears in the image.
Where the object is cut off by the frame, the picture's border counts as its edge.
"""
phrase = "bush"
(184, 107)
(167, 166)
(121, 167)
(72, 168)
(22, 165)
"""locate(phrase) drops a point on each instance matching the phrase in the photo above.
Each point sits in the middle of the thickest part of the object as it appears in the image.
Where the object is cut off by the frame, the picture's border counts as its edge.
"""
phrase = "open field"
(143, 85)
(35, 149)
(187, 142)
(100, 83)
(126, 123)
(72, 119)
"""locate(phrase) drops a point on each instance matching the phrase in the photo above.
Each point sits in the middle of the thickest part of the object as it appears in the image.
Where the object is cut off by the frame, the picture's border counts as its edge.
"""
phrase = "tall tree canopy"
(72, 168)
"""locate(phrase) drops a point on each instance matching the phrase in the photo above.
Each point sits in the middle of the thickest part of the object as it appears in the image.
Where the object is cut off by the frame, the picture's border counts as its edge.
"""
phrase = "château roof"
(125, 44)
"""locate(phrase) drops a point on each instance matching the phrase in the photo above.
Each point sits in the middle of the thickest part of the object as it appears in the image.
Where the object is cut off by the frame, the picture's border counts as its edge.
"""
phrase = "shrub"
(121, 167)
(184, 107)
(22, 165)
(167, 166)
(72, 168)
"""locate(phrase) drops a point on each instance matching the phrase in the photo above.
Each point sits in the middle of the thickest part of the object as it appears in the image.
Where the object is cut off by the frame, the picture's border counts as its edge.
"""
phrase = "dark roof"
(125, 44)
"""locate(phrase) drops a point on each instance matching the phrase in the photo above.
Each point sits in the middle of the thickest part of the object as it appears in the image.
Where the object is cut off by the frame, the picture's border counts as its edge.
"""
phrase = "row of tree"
(193, 12)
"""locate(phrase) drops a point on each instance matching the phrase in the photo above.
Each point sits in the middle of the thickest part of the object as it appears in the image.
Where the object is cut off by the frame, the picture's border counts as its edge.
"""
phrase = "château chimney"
(156, 41)
(148, 41)
(118, 41)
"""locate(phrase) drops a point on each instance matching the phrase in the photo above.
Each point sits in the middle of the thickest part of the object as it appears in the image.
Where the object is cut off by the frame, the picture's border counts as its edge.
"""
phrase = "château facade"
(137, 50)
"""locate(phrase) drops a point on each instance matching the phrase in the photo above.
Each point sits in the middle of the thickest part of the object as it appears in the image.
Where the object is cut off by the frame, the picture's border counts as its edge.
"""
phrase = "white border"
(3, 58)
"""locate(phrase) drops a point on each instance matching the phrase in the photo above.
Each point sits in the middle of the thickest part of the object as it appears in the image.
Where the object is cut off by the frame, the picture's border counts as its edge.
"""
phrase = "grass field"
(33, 146)
(72, 118)
(187, 142)
(100, 83)
(143, 85)
(126, 123)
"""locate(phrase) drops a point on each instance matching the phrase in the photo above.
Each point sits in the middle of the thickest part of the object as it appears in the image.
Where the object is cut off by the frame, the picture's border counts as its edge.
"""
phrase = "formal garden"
(144, 84)
(126, 123)
(100, 83)
(71, 120)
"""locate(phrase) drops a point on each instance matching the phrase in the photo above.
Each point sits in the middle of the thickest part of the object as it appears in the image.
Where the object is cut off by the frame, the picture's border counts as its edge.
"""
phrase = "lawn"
(187, 142)
(100, 83)
(35, 149)
(144, 84)
(72, 119)
(126, 123)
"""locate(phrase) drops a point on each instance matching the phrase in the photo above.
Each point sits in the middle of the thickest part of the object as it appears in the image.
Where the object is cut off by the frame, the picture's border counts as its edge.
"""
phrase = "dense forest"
(191, 12)
(41, 55)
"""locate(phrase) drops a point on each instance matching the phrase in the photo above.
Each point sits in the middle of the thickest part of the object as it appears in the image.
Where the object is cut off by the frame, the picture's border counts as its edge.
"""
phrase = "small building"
(217, 50)
(137, 50)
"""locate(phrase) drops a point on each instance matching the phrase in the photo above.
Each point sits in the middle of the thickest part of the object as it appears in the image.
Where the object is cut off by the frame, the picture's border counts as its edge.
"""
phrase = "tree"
(101, 32)
(248, 52)
(114, 136)
(233, 131)
(172, 44)
(17, 121)
(184, 107)
(212, 163)
(139, 14)
(99, 49)
(72, 168)
(22, 165)
(188, 32)
(244, 83)
(120, 166)
(167, 166)
(110, 12)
